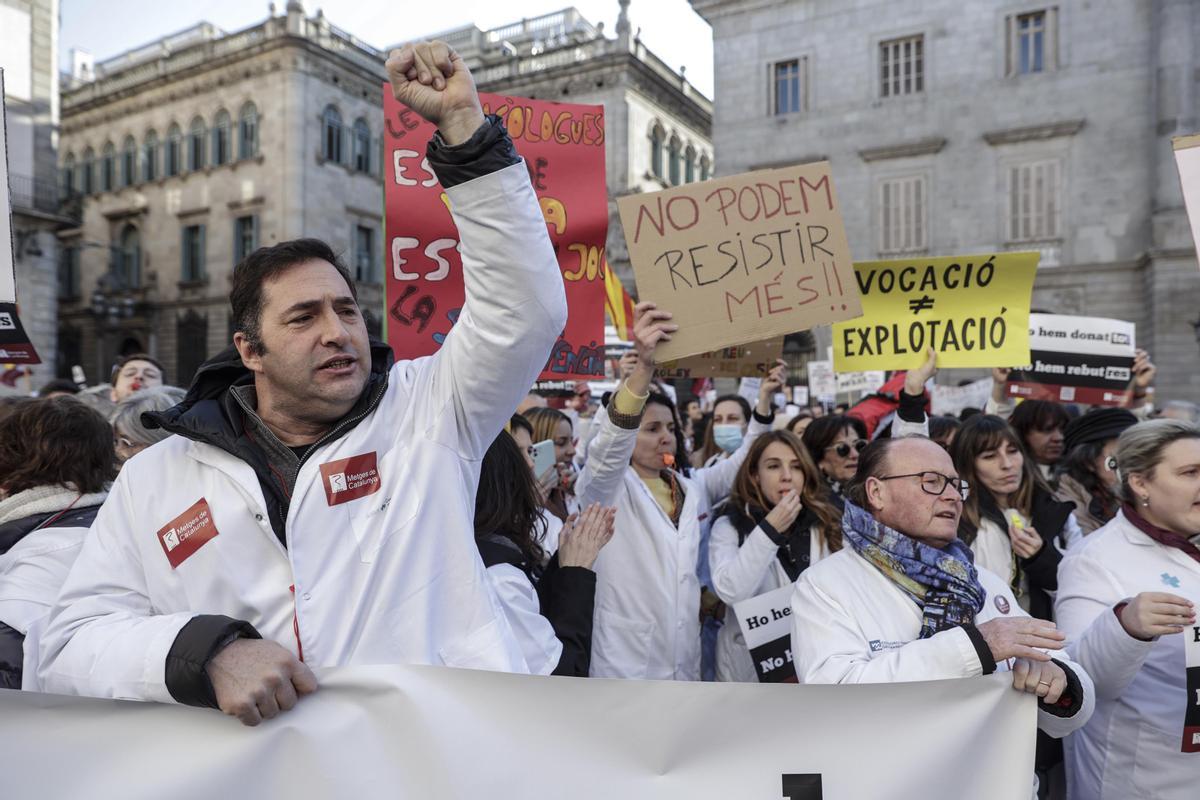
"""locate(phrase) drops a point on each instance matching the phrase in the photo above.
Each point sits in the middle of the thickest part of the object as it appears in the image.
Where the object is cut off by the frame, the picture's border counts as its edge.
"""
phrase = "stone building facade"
(194, 150)
(29, 56)
(979, 126)
(657, 125)
(274, 132)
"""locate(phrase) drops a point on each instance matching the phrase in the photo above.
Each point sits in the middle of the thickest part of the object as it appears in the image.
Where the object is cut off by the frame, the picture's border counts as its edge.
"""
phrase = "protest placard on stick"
(742, 259)
(766, 624)
(752, 360)
(1076, 360)
(563, 148)
(973, 310)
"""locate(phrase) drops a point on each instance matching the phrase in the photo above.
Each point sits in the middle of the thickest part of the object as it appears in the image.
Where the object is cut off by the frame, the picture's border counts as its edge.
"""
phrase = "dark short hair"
(1038, 415)
(872, 463)
(824, 430)
(55, 441)
(941, 425)
(264, 264)
(58, 385)
(519, 422)
(123, 360)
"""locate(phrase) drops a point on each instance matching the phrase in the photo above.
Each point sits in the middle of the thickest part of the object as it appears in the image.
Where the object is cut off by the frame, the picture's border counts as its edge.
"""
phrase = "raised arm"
(612, 447)
(515, 303)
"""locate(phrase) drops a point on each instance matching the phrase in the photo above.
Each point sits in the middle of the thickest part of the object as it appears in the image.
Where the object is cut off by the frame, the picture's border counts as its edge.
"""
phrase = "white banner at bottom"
(432, 732)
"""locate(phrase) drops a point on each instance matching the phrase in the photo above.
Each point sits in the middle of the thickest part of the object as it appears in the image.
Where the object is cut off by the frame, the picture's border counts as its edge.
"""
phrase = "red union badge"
(187, 533)
(350, 478)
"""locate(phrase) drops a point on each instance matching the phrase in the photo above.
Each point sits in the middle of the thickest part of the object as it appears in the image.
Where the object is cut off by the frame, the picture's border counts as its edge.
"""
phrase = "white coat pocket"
(375, 519)
(620, 646)
(482, 648)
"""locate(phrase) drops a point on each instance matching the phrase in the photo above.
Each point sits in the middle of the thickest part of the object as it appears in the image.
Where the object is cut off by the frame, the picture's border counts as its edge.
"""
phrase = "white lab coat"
(647, 618)
(993, 549)
(390, 577)
(1131, 746)
(853, 624)
(534, 634)
(742, 572)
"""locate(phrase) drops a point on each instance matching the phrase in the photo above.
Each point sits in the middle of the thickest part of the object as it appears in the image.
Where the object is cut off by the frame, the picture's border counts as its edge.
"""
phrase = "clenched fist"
(432, 80)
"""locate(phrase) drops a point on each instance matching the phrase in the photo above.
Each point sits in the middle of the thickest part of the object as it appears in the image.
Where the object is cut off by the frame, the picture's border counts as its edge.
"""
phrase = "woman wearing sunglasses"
(777, 522)
(1087, 476)
(834, 443)
(1012, 522)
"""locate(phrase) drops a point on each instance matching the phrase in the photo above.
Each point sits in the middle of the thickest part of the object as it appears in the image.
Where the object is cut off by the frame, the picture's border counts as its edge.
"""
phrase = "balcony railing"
(30, 194)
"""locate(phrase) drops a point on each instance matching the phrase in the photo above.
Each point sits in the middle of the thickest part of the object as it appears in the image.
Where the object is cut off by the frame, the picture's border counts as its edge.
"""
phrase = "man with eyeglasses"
(903, 600)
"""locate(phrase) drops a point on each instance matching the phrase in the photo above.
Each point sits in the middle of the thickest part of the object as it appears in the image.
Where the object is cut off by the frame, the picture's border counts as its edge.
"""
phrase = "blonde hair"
(1140, 449)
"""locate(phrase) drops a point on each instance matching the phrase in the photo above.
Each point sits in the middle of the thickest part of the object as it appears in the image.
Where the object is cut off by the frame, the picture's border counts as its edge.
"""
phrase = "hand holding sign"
(915, 380)
(651, 326)
(433, 80)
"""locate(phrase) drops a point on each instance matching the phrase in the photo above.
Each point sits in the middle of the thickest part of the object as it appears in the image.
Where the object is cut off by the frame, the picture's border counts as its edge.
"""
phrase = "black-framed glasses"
(935, 483)
(843, 448)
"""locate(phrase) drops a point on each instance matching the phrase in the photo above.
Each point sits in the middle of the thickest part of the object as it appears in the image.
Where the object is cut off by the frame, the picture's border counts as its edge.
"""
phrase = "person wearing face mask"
(1127, 601)
(648, 578)
(777, 522)
(1011, 521)
(904, 601)
(134, 373)
(730, 418)
(1086, 475)
(834, 443)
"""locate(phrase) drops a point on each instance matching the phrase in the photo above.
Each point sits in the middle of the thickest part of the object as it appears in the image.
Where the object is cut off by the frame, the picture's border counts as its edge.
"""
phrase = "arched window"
(221, 151)
(108, 167)
(331, 138)
(128, 161)
(705, 168)
(362, 146)
(657, 137)
(129, 262)
(87, 180)
(689, 164)
(173, 154)
(248, 131)
(674, 160)
(68, 175)
(196, 144)
(150, 157)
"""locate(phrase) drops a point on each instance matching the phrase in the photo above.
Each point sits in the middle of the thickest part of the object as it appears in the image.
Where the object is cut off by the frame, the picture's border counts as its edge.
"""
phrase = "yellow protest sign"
(973, 310)
(742, 361)
(742, 259)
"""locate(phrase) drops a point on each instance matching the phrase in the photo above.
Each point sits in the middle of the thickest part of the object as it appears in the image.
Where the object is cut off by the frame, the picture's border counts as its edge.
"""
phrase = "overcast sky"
(107, 27)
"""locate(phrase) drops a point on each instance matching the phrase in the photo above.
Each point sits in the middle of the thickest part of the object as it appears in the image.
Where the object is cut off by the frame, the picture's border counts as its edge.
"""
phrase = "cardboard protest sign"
(753, 360)
(973, 310)
(952, 400)
(766, 623)
(1076, 360)
(1187, 159)
(8, 274)
(742, 259)
(563, 148)
(822, 383)
(868, 381)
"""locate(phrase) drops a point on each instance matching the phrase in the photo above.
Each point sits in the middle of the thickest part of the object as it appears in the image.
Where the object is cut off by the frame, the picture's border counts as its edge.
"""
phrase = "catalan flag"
(618, 304)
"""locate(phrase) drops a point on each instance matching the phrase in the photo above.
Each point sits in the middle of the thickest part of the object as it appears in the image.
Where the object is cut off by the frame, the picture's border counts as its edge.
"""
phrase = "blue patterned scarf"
(944, 583)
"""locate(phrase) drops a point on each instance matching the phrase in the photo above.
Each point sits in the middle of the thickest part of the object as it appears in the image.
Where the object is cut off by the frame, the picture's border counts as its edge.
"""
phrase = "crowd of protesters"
(309, 503)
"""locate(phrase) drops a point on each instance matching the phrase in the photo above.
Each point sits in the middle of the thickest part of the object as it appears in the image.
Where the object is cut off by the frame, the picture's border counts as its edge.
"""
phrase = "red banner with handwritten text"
(563, 148)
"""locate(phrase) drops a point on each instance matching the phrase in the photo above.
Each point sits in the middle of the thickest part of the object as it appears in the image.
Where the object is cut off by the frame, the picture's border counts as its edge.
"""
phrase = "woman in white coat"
(1124, 599)
(777, 522)
(647, 622)
(1012, 522)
